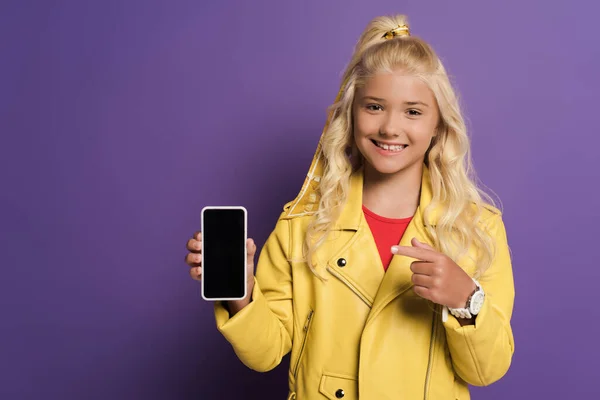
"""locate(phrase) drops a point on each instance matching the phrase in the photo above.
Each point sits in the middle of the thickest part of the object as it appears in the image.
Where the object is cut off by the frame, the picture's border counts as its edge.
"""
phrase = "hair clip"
(400, 30)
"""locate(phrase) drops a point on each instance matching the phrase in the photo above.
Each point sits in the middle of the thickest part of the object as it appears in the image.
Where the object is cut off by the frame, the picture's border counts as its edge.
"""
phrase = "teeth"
(390, 148)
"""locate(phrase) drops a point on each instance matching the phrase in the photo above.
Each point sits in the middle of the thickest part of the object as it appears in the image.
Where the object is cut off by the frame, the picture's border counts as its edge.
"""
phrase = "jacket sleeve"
(482, 353)
(261, 333)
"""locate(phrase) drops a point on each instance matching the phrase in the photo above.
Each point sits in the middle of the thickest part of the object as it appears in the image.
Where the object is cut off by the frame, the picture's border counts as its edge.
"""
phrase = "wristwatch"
(474, 304)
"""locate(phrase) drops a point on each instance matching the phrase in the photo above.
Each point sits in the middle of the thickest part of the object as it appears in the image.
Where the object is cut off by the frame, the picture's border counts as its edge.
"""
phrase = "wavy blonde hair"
(448, 157)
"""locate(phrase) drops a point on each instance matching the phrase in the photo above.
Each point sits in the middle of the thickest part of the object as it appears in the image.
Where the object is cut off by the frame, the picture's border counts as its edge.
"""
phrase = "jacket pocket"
(305, 331)
(337, 386)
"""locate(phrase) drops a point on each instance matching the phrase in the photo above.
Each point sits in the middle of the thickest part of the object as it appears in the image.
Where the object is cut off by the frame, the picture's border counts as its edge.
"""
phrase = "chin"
(385, 168)
(391, 167)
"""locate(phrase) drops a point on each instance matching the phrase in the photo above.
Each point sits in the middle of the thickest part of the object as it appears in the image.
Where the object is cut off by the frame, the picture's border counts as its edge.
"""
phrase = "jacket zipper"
(305, 329)
(431, 351)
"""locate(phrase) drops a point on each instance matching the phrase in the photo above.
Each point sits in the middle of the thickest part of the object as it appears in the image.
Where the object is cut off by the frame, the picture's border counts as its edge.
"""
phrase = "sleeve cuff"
(251, 319)
(453, 326)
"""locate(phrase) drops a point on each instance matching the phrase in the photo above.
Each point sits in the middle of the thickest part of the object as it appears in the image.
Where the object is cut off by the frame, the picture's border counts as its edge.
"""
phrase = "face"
(395, 116)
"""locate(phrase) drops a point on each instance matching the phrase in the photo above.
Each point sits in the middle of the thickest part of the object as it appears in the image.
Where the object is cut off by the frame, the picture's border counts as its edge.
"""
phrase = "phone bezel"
(245, 251)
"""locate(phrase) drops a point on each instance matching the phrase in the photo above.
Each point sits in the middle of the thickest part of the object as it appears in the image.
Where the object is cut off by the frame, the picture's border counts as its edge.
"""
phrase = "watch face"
(476, 303)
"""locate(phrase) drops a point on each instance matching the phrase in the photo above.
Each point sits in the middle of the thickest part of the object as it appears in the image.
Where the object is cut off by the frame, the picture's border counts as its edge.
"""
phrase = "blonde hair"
(448, 158)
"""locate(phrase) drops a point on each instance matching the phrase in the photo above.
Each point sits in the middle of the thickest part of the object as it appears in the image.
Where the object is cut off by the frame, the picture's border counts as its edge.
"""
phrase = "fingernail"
(394, 249)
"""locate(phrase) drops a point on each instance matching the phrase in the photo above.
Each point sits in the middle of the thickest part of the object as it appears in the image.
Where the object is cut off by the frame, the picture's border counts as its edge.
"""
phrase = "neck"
(392, 195)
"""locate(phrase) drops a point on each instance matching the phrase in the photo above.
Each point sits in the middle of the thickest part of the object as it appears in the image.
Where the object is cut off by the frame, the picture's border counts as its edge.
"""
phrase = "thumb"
(415, 242)
(250, 251)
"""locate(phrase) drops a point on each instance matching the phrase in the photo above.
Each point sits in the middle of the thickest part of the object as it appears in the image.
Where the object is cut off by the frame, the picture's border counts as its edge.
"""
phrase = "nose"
(391, 125)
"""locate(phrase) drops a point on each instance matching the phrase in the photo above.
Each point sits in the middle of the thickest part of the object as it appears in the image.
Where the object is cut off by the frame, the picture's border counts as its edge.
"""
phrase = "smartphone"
(224, 232)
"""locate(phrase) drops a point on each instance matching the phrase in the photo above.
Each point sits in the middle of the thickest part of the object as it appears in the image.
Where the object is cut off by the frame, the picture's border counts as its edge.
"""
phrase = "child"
(388, 277)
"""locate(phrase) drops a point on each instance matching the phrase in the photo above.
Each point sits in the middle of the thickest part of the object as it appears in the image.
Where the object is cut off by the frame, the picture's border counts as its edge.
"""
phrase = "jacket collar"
(351, 216)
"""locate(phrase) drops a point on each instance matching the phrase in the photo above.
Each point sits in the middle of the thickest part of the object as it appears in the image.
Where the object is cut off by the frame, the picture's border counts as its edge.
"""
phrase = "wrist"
(472, 305)
(465, 321)
(235, 306)
(471, 291)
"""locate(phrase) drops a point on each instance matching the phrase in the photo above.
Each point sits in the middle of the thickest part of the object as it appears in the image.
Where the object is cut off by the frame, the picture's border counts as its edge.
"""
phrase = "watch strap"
(465, 312)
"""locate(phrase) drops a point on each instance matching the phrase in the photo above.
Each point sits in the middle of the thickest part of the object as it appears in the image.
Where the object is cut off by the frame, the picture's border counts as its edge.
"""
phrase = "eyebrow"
(409, 103)
(414, 103)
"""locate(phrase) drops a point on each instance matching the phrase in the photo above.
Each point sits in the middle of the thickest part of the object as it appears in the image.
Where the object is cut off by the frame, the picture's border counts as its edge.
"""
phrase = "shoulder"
(491, 220)
(482, 212)
(293, 220)
(299, 209)
(490, 211)
(487, 215)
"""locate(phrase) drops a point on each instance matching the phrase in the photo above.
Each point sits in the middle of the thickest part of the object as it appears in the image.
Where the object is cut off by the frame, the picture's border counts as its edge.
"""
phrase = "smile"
(394, 148)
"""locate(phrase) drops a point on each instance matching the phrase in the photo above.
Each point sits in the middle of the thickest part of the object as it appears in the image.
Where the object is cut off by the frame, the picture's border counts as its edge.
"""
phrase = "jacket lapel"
(356, 261)
(352, 262)
(398, 278)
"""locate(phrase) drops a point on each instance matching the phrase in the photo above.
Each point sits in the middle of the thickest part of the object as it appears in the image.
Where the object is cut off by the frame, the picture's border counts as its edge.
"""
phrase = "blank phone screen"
(224, 253)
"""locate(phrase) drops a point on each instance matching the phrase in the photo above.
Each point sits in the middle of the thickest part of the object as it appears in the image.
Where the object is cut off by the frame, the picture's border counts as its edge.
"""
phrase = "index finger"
(414, 252)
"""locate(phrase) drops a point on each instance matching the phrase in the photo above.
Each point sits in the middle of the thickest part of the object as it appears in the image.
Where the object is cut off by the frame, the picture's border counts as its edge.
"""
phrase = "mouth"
(393, 148)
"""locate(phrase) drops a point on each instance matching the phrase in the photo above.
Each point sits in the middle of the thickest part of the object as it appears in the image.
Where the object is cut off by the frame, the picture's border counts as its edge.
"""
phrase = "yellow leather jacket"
(364, 333)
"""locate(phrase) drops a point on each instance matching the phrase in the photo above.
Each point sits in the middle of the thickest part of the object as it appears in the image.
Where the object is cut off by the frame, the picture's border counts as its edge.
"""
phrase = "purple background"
(120, 120)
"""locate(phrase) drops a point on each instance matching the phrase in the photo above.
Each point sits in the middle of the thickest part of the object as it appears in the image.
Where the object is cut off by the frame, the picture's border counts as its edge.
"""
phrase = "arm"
(261, 332)
(482, 352)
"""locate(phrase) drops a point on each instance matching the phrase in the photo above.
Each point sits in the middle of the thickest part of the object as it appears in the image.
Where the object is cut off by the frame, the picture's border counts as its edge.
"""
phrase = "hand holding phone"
(222, 258)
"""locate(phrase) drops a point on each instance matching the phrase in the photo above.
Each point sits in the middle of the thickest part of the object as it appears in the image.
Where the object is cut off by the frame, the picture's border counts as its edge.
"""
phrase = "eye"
(374, 107)
(414, 113)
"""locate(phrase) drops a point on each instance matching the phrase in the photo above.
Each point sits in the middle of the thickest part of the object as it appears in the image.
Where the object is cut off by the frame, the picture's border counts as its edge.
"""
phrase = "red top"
(387, 232)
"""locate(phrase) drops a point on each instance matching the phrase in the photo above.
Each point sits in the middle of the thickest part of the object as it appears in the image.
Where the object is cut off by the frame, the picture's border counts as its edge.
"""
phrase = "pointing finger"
(414, 252)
